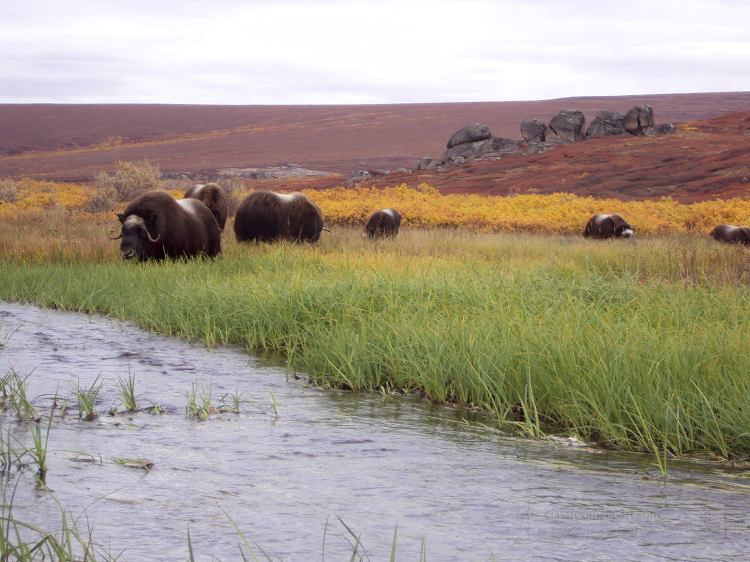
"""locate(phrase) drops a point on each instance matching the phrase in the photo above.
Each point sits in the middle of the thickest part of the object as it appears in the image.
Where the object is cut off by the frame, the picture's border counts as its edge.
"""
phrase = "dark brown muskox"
(156, 226)
(732, 234)
(383, 223)
(266, 216)
(213, 197)
(607, 226)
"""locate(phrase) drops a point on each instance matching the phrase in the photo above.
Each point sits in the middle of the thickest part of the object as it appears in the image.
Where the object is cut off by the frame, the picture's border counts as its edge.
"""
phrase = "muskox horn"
(115, 238)
(153, 239)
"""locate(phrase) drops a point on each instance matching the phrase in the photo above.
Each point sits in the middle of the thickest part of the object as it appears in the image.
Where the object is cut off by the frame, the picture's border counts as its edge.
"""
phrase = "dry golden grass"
(560, 213)
(28, 201)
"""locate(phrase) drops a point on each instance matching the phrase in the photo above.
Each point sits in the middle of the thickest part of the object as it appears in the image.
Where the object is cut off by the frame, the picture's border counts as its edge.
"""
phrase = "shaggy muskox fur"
(213, 197)
(383, 223)
(732, 234)
(266, 216)
(607, 226)
(156, 226)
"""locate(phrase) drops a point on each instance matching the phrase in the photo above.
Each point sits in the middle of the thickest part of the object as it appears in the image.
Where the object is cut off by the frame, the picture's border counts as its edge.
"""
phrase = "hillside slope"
(704, 160)
(74, 142)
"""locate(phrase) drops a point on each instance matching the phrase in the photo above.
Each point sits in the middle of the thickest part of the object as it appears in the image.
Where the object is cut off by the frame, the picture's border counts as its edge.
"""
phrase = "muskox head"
(135, 238)
(732, 234)
(383, 223)
(266, 216)
(156, 226)
(608, 226)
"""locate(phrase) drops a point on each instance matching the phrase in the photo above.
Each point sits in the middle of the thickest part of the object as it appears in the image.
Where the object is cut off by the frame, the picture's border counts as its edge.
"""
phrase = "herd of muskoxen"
(157, 226)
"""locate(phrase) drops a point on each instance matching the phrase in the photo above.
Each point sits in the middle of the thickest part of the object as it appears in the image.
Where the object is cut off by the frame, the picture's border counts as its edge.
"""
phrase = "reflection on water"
(374, 461)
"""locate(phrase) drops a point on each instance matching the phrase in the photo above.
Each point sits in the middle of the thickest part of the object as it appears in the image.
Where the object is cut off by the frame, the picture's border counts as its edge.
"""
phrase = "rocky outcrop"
(567, 126)
(476, 141)
(426, 164)
(496, 146)
(473, 141)
(606, 124)
(502, 145)
(533, 130)
(639, 120)
(466, 151)
(470, 134)
(665, 129)
(358, 175)
(551, 137)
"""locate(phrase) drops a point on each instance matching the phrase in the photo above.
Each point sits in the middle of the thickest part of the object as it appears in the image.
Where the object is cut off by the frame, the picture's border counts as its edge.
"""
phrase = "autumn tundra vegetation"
(496, 303)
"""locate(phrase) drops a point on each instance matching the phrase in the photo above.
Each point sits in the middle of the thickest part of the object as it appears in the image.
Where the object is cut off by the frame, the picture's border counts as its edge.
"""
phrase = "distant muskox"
(156, 226)
(266, 216)
(607, 226)
(732, 234)
(213, 197)
(383, 223)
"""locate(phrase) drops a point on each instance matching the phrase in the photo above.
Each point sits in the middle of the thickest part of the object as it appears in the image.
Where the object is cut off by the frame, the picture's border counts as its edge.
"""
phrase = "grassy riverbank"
(639, 345)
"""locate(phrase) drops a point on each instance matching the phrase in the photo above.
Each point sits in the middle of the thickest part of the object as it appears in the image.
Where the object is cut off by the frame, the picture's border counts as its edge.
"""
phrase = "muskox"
(383, 223)
(213, 197)
(607, 226)
(156, 226)
(266, 216)
(732, 234)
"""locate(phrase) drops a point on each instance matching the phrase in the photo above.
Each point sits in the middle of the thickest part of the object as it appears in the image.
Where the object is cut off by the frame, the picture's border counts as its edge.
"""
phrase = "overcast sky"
(305, 52)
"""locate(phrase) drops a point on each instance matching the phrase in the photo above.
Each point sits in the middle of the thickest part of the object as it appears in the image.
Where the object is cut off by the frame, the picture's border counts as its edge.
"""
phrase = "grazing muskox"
(266, 216)
(213, 197)
(732, 234)
(383, 223)
(607, 226)
(155, 226)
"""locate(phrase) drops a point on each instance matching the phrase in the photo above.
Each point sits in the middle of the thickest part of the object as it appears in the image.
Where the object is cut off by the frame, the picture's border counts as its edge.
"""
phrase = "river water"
(376, 463)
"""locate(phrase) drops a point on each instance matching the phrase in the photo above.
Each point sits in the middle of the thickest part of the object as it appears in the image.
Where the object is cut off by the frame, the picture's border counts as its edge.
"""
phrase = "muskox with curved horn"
(732, 234)
(383, 223)
(266, 216)
(607, 226)
(213, 197)
(156, 226)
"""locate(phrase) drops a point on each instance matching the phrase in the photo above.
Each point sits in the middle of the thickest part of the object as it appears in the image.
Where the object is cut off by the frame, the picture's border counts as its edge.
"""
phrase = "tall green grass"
(639, 345)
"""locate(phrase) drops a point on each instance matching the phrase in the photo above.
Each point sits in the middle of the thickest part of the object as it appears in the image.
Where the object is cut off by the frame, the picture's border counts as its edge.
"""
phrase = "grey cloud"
(594, 58)
(61, 77)
(288, 82)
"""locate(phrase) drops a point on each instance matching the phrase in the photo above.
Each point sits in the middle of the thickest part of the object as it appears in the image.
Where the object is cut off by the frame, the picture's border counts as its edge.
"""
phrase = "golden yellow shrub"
(424, 206)
(562, 213)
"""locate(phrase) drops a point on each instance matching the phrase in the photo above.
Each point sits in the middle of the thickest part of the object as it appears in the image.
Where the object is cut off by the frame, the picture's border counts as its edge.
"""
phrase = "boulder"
(358, 175)
(550, 136)
(639, 119)
(606, 124)
(466, 151)
(471, 133)
(499, 144)
(425, 164)
(666, 129)
(568, 124)
(533, 130)
(537, 148)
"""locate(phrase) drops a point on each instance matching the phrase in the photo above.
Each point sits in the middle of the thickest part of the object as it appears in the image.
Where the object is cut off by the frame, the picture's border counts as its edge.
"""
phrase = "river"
(377, 463)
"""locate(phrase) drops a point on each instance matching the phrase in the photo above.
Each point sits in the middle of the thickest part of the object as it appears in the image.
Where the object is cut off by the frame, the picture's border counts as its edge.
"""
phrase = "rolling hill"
(707, 158)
